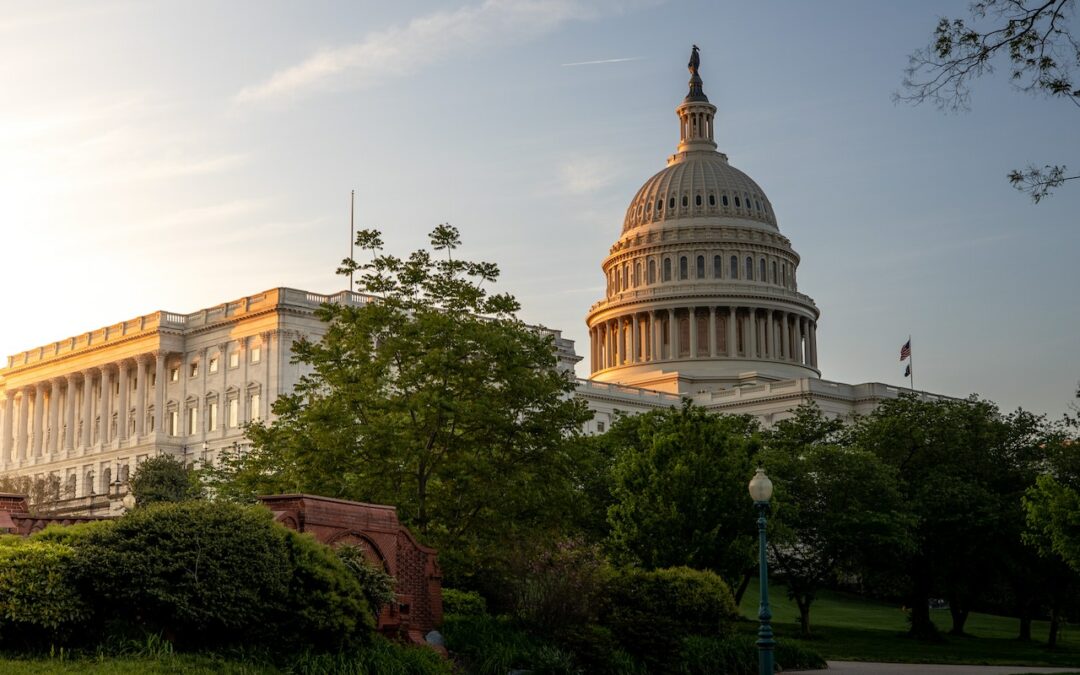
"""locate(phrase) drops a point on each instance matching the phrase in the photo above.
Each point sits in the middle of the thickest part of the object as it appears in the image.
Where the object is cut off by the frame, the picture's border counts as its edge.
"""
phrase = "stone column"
(692, 320)
(785, 331)
(54, 415)
(673, 336)
(122, 401)
(88, 409)
(69, 413)
(39, 418)
(7, 429)
(813, 344)
(105, 409)
(635, 339)
(159, 391)
(24, 422)
(141, 373)
(732, 323)
(712, 332)
(753, 333)
(657, 341)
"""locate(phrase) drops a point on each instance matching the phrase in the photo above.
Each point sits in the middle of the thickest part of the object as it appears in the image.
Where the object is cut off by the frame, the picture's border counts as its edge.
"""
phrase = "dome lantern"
(696, 114)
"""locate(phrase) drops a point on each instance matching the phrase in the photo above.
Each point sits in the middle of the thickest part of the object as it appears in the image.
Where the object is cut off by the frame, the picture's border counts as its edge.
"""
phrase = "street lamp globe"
(760, 487)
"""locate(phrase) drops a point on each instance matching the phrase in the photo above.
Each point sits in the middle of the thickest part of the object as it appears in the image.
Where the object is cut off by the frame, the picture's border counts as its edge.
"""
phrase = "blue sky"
(173, 156)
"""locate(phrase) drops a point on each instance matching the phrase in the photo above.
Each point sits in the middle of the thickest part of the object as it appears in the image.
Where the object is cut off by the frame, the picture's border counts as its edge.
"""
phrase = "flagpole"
(352, 234)
(911, 363)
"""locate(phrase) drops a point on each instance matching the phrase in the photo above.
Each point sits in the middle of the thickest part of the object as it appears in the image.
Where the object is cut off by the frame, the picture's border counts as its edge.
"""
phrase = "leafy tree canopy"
(679, 490)
(434, 398)
(1035, 36)
(164, 479)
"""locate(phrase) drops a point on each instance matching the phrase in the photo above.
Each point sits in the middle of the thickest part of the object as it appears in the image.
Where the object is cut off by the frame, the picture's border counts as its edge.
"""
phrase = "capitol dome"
(701, 285)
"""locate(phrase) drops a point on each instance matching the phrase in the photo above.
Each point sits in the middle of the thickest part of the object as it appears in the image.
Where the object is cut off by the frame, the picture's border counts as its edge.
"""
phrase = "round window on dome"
(697, 200)
(671, 203)
(725, 200)
(712, 200)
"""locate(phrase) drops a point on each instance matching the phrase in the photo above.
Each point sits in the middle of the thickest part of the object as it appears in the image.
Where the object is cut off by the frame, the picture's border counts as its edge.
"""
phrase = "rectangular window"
(213, 365)
(174, 422)
(234, 413)
(256, 354)
(211, 416)
(234, 360)
(194, 369)
(174, 374)
(193, 421)
(255, 407)
(600, 427)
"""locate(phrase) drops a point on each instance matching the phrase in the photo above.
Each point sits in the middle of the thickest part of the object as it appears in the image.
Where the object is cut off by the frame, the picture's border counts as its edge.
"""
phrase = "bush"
(554, 590)
(738, 655)
(325, 604)
(377, 584)
(650, 613)
(463, 603)
(39, 599)
(492, 646)
(164, 479)
(212, 574)
(381, 657)
(71, 535)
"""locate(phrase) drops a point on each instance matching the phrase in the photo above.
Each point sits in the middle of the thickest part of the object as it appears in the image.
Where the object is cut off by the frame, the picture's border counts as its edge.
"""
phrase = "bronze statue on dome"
(695, 62)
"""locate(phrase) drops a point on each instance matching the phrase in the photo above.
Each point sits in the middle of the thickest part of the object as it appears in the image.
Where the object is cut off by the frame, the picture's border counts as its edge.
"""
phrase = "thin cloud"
(586, 174)
(593, 63)
(425, 40)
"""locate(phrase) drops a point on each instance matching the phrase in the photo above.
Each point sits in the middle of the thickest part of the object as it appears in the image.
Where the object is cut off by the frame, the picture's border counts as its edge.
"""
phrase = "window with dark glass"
(684, 271)
(667, 269)
(701, 267)
(734, 267)
(716, 264)
(749, 268)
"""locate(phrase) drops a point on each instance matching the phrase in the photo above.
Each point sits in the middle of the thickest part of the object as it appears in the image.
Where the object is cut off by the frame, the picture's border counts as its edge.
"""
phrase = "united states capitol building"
(702, 302)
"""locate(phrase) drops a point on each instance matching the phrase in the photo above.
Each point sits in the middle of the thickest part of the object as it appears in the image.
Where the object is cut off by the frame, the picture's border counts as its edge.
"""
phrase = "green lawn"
(169, 665)
(847, 627)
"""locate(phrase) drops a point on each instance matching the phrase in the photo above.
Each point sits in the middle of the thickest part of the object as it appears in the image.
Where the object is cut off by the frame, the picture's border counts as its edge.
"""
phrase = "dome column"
(767, 350)
(635, 341)
(673, 336)
(732, 342)
(712, 331)
(786, 333)
(655, 325)
(813, 344)
(692, 321)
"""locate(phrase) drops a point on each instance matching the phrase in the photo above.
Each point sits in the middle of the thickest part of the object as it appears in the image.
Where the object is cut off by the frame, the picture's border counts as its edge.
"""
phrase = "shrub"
(554, 589)
(463, 603)
(325, 603)
(164, 479)
(650, 613)
(38, 596)
(377, 584)
(71, 535)
(220, 574)
(381, 657)
(492, 646)
(738, 655)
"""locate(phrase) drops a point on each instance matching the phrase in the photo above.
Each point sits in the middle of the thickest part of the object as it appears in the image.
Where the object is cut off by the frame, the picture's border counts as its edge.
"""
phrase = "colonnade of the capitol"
(719, 331)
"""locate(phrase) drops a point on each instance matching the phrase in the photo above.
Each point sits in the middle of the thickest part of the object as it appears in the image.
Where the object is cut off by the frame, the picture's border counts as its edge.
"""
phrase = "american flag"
(905, 351)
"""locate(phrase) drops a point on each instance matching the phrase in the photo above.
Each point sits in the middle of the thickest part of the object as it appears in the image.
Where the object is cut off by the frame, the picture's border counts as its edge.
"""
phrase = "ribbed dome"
(699, 184)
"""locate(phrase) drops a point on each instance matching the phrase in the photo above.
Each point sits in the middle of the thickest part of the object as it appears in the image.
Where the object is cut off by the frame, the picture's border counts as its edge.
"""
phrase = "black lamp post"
(761, 492)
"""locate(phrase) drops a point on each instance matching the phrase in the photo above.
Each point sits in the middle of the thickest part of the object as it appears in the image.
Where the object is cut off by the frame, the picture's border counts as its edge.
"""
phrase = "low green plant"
(463, 603)
(493, 645)
(380, 657)
(738, 655)
(650, 612)
(378, 585)
(39, 597)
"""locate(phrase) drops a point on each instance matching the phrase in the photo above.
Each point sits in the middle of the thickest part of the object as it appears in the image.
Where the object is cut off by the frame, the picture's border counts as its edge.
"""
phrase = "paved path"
(865, 668)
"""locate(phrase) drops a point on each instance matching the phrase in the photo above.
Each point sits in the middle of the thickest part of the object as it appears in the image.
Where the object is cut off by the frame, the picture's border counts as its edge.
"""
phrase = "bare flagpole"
(352, 234)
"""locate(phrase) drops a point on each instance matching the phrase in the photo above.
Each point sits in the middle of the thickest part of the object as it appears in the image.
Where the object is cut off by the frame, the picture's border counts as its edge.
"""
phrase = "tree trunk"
(741, 590)
(804, 614)
(1025, 629)
(959, 618)
(922, 628)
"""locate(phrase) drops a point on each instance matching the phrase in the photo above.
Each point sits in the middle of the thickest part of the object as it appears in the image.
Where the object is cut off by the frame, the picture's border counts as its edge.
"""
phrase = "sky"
(174, 156)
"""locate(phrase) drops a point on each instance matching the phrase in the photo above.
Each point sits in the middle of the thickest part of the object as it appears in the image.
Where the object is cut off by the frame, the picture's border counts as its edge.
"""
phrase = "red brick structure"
(387, 542)
(334, 522)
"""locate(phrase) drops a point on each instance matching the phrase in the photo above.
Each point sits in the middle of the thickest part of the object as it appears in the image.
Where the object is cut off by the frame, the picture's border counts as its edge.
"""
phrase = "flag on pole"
(907, 370)
(905, 351)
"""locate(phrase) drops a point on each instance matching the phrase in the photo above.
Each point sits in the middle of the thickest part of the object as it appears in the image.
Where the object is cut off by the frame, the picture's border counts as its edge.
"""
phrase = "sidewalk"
(868, 668)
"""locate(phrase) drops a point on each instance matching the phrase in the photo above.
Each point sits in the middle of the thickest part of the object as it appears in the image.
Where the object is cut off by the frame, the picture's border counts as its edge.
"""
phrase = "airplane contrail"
(593, 63)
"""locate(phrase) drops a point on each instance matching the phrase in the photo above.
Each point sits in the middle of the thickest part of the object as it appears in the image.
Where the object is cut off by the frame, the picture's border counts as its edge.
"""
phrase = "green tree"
(1052, 504)
(679, 490)
(957, 463)
(836, 508)
(164, 479)
(1042, 53)
(434, 398)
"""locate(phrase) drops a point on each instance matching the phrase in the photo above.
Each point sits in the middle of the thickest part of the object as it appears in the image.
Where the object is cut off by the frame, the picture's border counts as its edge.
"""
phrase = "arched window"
(88, 484)
(667, 269)
(774, 271)
(725, 200)
(712, 200)
(783, 273)
(733, 269)
(659, 204)
(652, 271)
(685, 201)
(757, 205)
(684, 271)
(749, 268)
(716, 264)
(637, 272)
(761, 270)
(618, 280)
(701, 267)
(626, 276)
(671, 203)
(737, 201)
(697, 200)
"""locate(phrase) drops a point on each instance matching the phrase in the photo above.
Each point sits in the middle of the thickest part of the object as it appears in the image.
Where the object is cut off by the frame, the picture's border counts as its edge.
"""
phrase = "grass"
(847, 627)
(181, 664)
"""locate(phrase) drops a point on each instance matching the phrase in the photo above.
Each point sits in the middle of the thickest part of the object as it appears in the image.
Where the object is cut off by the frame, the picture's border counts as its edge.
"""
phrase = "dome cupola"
(701, 288)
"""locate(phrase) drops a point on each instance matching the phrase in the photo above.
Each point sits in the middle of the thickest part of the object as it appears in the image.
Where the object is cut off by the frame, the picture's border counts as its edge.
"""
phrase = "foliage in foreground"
(164, 479)
(435, 398)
